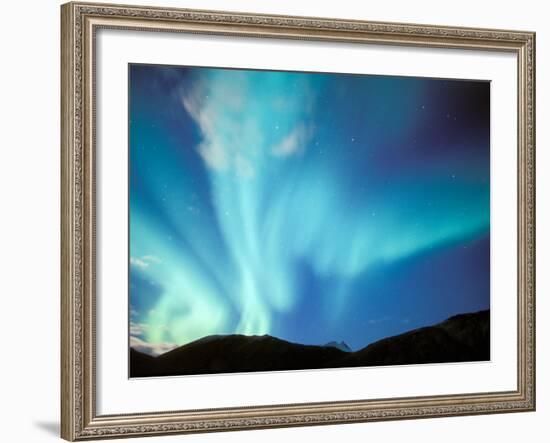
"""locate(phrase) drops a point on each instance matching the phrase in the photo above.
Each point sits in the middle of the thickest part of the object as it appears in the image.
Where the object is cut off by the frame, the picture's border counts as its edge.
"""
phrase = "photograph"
(288, 220)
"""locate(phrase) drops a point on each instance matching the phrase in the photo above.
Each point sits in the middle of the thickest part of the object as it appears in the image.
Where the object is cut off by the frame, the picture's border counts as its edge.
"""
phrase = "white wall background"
(29, 234)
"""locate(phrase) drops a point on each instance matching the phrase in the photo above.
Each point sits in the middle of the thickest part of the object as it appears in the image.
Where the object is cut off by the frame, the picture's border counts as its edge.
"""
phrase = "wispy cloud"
(243, 167)
(294, 143)
(145, 261)
(242, 121)
(152, 259)
(211, 149)
(153, 349)
(138, 329)
(138, 263)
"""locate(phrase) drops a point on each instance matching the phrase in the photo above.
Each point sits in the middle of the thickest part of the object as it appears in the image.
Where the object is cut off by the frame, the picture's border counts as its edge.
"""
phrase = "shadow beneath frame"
(50, 427)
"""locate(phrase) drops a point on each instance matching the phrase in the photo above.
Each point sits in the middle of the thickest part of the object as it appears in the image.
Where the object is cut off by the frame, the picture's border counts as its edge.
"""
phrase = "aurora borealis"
(311, 207)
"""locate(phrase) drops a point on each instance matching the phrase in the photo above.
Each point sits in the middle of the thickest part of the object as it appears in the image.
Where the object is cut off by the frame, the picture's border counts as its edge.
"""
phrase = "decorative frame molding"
(79, 22)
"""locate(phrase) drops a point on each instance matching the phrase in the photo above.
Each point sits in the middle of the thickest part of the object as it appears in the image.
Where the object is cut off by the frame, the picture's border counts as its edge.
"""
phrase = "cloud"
(145, 261)
(138, 263)
(211, 150)
(243, 167)
(242, 120)
(152, 259)
(153, 349)
(138, 329)
(294, 143)
(213, 155)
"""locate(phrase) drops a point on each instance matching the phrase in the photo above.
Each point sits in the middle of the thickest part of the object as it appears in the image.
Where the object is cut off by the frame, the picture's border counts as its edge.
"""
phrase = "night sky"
(311, 207)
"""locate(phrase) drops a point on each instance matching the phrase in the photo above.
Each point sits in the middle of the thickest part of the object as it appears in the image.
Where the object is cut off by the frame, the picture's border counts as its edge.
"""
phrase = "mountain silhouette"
(343, 346)
(464, 337)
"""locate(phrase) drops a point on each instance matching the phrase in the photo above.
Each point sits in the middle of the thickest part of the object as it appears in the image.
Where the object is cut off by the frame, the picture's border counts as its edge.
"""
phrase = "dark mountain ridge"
(343, 346)
(464, 337)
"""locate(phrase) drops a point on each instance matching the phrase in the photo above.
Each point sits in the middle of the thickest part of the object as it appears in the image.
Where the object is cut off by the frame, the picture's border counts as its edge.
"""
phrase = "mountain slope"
(343, 346)
(463, 337)
(238, 353)
(460, 338)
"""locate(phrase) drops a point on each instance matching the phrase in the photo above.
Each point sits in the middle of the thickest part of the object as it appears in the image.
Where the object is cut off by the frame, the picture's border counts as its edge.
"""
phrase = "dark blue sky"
(312, 207)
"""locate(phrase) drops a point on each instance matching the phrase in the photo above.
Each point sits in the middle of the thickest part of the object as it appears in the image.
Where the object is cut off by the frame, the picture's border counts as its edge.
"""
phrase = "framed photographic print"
(282, 221)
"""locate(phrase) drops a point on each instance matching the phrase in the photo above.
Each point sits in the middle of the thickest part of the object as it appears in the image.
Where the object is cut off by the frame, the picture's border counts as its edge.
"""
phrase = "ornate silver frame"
(79, 22)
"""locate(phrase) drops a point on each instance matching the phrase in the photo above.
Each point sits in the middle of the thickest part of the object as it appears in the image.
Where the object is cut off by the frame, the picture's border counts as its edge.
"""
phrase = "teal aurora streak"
(312, 207)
